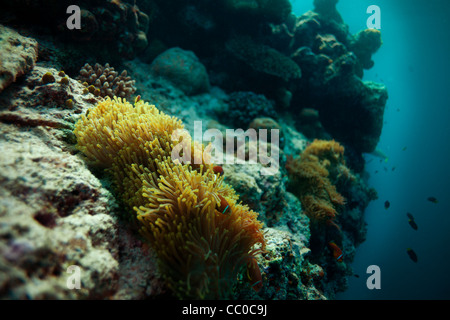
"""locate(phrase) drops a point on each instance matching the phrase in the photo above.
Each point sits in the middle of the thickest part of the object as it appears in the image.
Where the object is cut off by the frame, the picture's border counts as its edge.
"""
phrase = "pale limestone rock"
(18, 55)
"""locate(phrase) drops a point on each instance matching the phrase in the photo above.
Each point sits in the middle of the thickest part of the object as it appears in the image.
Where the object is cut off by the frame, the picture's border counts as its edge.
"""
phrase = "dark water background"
(414, 63)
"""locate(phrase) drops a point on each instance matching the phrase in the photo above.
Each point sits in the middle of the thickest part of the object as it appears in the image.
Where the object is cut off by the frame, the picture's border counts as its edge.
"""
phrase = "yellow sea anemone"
(200, 250)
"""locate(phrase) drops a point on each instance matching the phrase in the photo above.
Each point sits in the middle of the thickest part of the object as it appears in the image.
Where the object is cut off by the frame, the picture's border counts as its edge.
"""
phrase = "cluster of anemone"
(311, 182)
(200, 249)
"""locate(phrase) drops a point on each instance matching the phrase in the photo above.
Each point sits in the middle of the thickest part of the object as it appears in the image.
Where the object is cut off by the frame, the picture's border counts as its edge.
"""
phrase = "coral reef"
(224, 64)
(350, 110)
(18, 55)
(334, 198)
(182, 68)
(200, 249)
(106, 81)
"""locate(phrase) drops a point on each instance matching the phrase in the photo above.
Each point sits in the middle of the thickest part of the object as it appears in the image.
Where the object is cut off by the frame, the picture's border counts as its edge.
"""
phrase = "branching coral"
(310, 179)
(200, 249)
(106, 82)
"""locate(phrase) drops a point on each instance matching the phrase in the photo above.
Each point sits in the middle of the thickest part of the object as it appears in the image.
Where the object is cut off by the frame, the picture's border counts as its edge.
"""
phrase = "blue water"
(414, 63)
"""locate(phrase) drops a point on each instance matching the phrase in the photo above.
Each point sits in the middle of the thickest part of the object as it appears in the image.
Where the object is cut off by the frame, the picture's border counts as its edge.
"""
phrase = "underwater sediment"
(87, 179)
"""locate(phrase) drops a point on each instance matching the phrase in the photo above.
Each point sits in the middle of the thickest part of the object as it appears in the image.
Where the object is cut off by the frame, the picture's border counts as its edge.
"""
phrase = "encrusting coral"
(200, 249)
(310, 180)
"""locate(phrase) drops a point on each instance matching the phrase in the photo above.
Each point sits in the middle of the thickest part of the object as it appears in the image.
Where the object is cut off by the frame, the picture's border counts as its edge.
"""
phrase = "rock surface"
(54, 213)
(18, 55)
(183, 69)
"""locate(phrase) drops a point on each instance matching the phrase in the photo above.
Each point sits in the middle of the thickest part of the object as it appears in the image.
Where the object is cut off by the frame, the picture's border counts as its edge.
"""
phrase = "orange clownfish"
(223, 206)
(254, 274)
(218, 169)
(337, 252)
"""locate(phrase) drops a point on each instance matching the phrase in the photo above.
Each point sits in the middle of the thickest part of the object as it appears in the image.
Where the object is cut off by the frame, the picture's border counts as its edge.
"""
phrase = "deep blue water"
(414, 63)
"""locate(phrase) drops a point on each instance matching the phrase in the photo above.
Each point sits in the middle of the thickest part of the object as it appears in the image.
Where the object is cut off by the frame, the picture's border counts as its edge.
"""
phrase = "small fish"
(412, 254)
(393, 168)
(432, 199)
(254, 274)
(387, 204)
(137, 98)
(223, 206)
(380, 154)
(411, 221)
(404, 148)
(218, 169)
(413, 224)
(356, 275)
(337, 252)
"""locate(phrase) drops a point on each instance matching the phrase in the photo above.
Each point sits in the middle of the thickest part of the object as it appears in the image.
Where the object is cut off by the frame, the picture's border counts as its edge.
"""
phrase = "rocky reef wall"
(234, 64)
